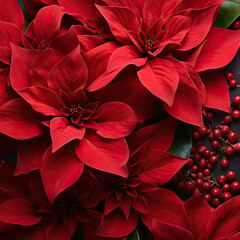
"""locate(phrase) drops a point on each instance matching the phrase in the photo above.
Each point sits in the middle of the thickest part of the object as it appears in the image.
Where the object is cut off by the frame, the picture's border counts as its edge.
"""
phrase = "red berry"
(224, 163)
(202, 163)
(209, 116)
(236, 114)
(230, 175)
(175, 179)
(215, 144)
(213, 159)
(202, 149)
(227, 119)
(237, 147)
(225, 187)
(209, 165)
(229, 76)
(222, 179)
(232, 137)
(207, 197)
(215, 192)
(195, 135)
(206, 153)
(235, 186)
(225, 129)
(194, 168)
(216, 202)
(206, 185)
(233, 83)
(236, 101)
(217, 133)
(180, 185)
(203, 130)
(200, 143)
(229, 150)
(193, 175)
(199, 182)
(211, 137)
(206, 172)
(200, 175)
(193, 150)
(196, 156)
(189, 186)
(236, 25)
(226, 196)
(190, 162)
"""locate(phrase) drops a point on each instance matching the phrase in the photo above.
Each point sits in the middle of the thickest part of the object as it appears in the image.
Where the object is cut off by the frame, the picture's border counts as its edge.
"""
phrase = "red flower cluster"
(82, 91)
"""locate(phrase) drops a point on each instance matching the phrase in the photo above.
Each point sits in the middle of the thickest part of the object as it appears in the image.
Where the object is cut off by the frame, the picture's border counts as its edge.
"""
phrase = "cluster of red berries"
(197, 173)
(232, 82)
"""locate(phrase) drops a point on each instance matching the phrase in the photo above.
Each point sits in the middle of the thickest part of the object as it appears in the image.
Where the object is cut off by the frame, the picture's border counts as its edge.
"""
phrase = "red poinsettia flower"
(26, 212)
(204, 223)
(149, 164)
(169, 42)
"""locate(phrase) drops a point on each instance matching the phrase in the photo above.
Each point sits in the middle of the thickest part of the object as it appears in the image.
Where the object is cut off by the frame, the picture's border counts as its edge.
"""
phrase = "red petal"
(111, 203)
(115, 224)
(11, 13)
(126, 206)
(217, 54)
(160, 77)
(120, 20)
(165, 231)
(235, 236)
(198, 212)
(161, 135)
(69, 75)
(42, 100)
(44, 27)
(98, 76)
(30, 153)
(103, 154)
(225, 220)
(18, 211)
(58, 231)
(9, 33)
(17, 114)
(115, 120)
(124, 56)
(217, 93)
(187, 105)
(160, 166)
(62, 132)
(60, 170)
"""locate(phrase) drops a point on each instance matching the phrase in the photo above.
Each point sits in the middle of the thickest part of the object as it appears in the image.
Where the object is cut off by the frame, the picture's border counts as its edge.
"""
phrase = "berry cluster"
(232, 82)
(197, 173)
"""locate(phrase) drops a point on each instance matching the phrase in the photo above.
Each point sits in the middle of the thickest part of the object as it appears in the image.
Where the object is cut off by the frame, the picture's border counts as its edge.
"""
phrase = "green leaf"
(182, 142)
(229, 12)
(133, 236)
(24, 13)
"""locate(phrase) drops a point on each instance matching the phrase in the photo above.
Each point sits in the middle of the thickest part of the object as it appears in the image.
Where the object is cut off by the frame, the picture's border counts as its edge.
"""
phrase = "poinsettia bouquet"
(96, 102)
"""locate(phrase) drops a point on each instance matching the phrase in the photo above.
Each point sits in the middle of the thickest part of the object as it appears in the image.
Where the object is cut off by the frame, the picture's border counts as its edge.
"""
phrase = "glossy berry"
(202, 163)
(209, 116)
(211, 137)
(196, 156)
(213, 159)
(215, 144)
(236, 101)
(206, 172)
(237, 147)
(225, 129)
(233, 83)
(200, 175)
(202, 149)
(209, 165)
(227, 119)
(193, 175)
(226, 196)
(229, 150)
(199, 182)
(195, 135)
(203, 130)
(180, 185)
(207, 197)
(225, 187)
(217, 133)
(230, 175)
(224, 163)
(236, 114)
(206, 153)
(190, 162)
(229, 76)
(232, 137)
(222, 179)
(215, 202)
(206, 186)
(235, 186)
(194, 168)
(193, 150)
(236, 25)
(215, 192)
(189, 186)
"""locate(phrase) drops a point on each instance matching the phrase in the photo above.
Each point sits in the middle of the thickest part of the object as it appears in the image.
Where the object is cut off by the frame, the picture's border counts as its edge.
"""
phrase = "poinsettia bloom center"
(67, 206)
(121, 183)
